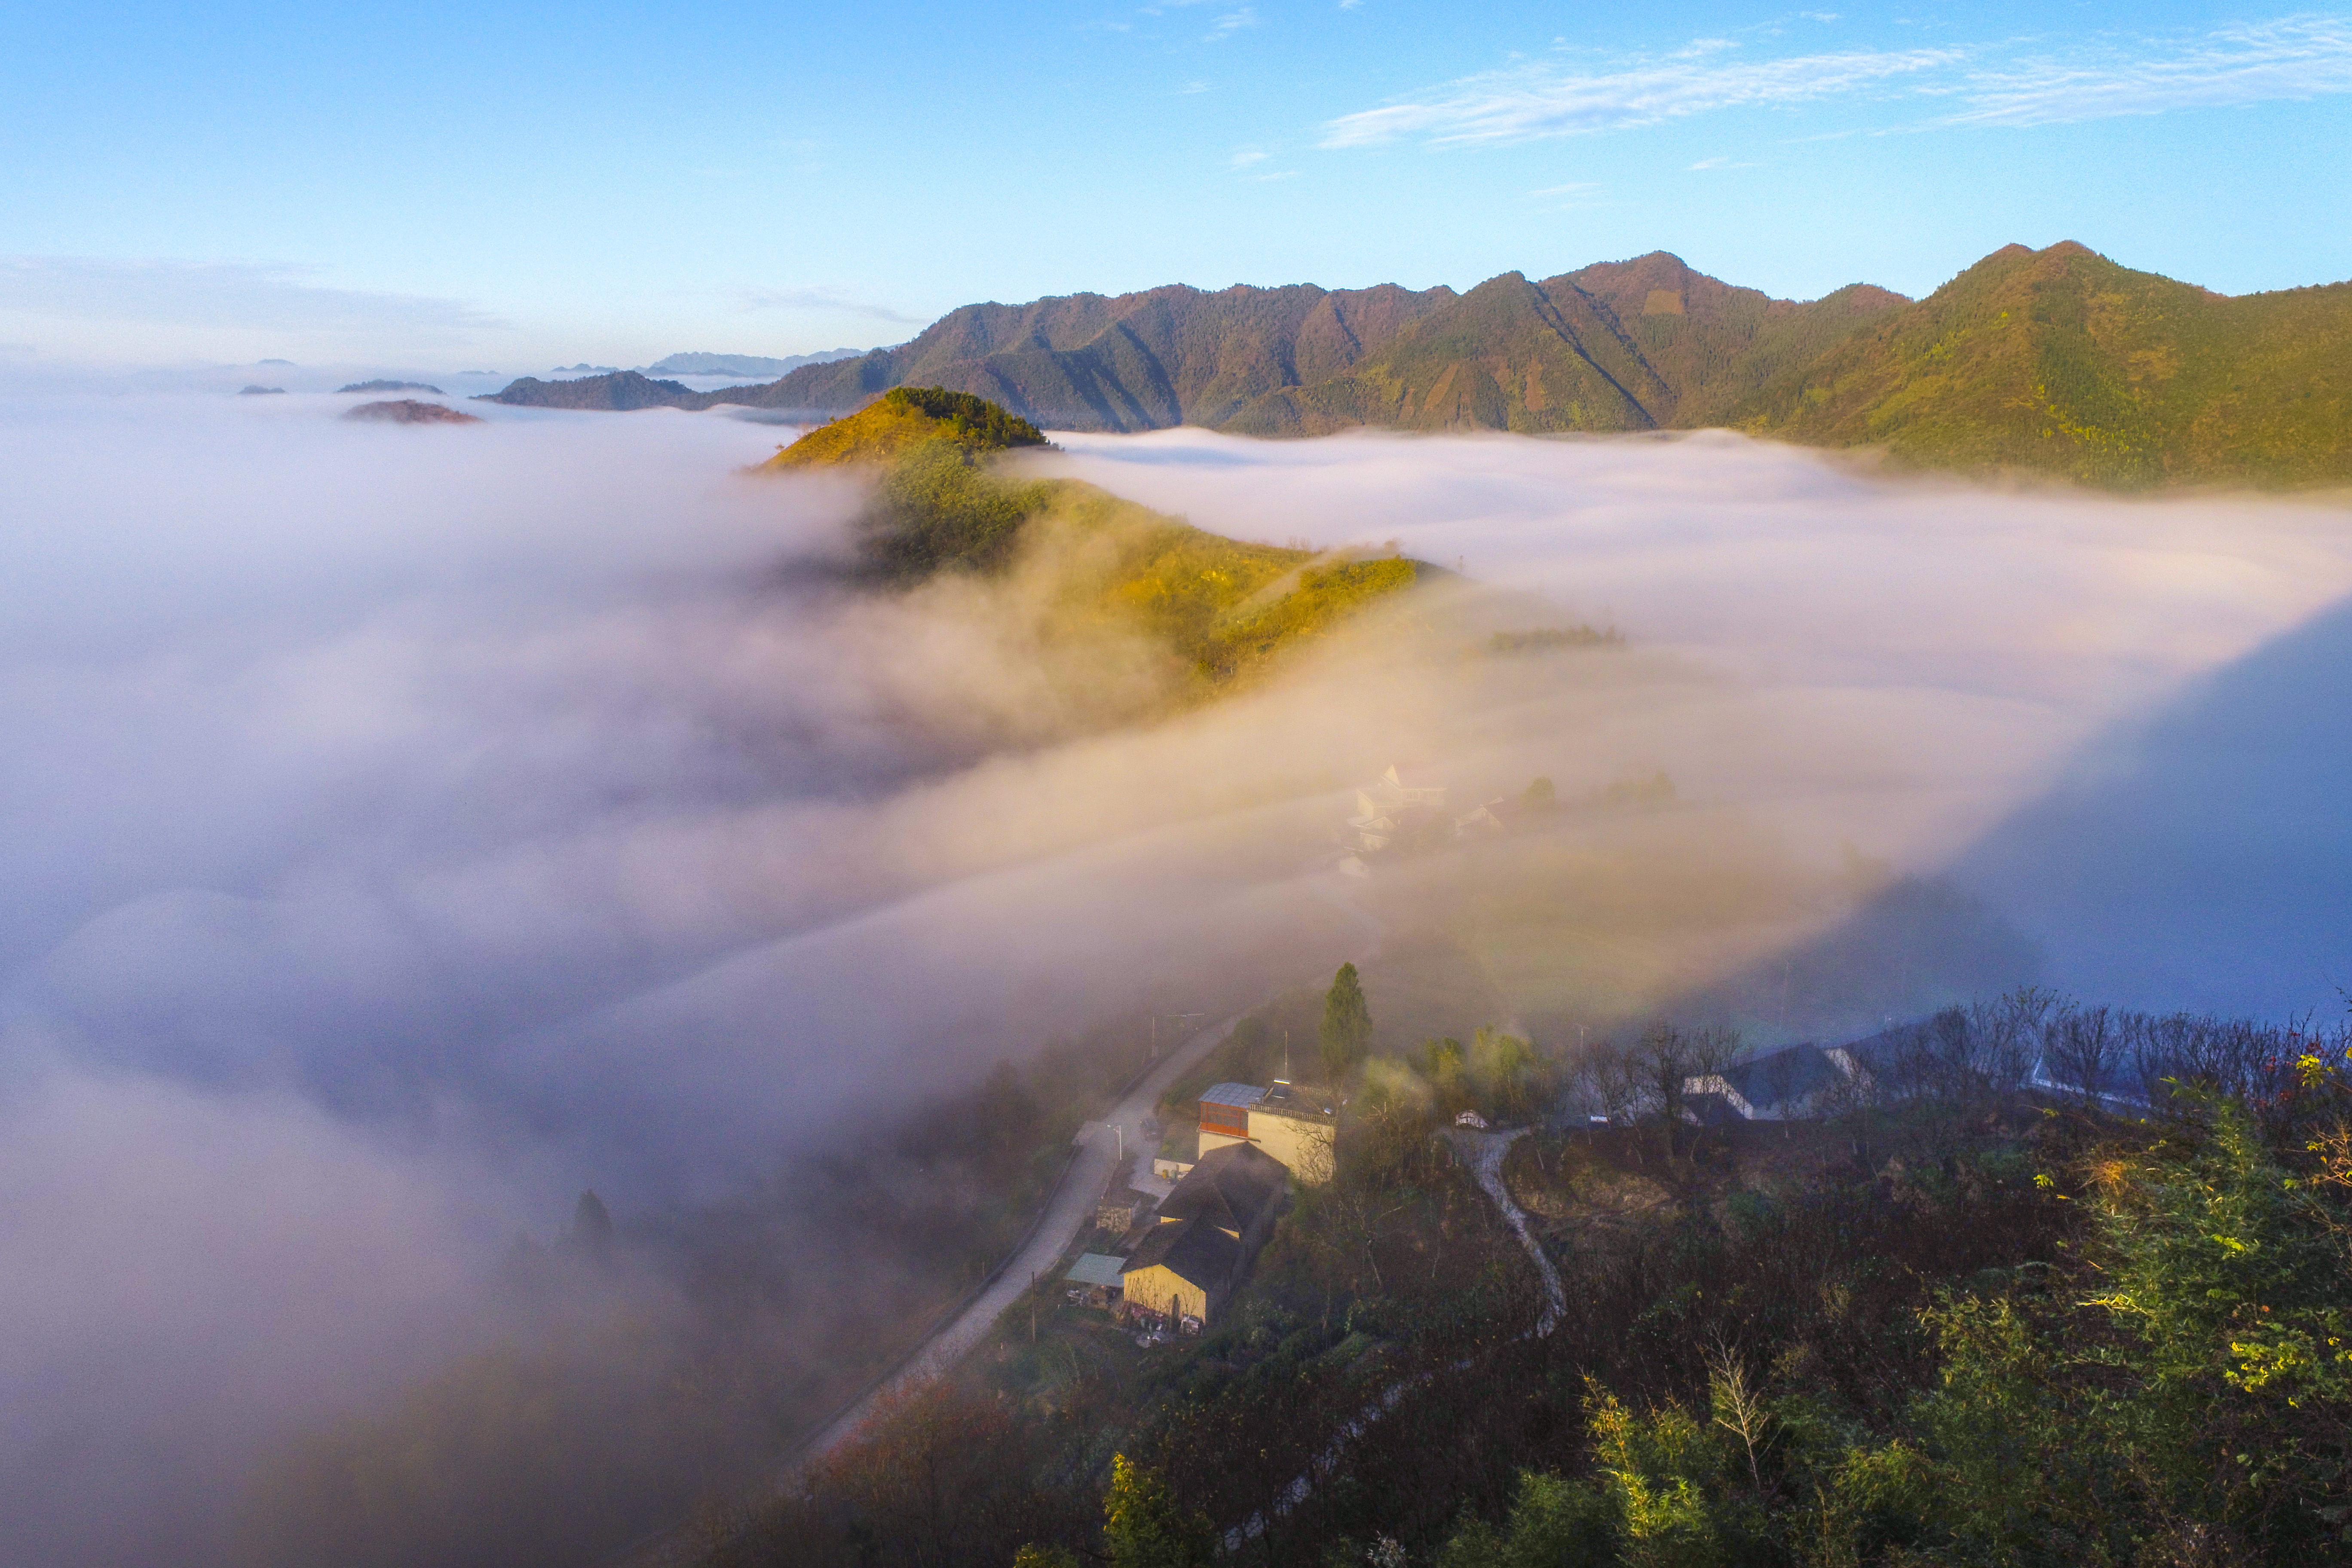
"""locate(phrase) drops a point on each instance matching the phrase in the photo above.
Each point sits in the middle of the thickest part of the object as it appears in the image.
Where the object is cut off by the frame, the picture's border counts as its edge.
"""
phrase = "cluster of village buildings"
(1180, 1258)
(1405, 807)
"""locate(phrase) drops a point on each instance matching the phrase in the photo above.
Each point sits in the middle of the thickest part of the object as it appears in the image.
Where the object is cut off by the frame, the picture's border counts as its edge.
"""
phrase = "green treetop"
(1346, 1036)
(1144, 1528)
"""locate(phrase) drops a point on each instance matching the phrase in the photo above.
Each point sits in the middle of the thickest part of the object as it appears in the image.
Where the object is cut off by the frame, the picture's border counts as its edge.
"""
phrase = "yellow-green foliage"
(875, 434)
(2060, 361)
(903, 418)
(1224, 605)
(1657, 1468)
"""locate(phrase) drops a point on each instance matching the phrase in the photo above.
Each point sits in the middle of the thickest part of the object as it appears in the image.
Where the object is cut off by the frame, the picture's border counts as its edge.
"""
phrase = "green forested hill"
(2060, 361)
(1136, 362)
(1216, 610)
(2056, 361)
(1633, 345)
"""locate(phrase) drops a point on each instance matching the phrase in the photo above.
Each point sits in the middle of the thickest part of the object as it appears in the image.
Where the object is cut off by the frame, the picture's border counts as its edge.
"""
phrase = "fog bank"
(2106, 717)
(410, 826)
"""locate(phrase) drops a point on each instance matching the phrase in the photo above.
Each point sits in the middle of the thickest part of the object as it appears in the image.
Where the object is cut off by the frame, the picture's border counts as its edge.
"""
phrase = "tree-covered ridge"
(2060, 361)
(2056, 362)
(905, 417)
(1632, 345)
(1223, 608)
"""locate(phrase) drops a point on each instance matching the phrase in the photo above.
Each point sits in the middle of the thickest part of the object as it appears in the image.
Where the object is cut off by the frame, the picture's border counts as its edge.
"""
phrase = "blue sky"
(518, 187)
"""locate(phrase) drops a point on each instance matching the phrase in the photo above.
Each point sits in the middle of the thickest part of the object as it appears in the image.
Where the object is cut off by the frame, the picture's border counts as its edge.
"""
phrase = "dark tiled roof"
(1195, 1251)
(1232, 1187)
(1783, 1076)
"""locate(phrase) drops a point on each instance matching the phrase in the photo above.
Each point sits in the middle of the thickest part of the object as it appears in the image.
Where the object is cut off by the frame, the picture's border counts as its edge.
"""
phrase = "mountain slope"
(1134, 361)
(1217, 609)
(1632, 345)
(620, 391)
(902, 418)
(2060, 361)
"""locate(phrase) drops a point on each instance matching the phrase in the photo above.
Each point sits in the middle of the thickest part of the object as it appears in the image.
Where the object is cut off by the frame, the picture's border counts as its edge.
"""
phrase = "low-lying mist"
(2111, 721)
(408, 829)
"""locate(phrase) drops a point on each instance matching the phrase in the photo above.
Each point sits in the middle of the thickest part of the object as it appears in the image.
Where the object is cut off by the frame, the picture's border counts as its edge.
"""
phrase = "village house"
(1405, 802)
(1294, 1123)
(1188, 1264)
(1787, 1085)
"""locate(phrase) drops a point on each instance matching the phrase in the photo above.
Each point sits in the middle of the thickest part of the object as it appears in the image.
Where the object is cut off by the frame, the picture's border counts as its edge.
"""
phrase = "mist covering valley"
(410, 829)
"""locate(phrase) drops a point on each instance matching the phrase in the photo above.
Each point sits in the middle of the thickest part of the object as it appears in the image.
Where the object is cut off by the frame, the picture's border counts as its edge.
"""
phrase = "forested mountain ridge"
(1166, 357)
(2053, 362)
(2060, 361)
(1633, 345)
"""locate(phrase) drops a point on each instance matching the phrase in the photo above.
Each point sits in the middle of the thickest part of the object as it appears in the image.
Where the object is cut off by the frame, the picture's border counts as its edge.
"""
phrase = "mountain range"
(744, 364)
(2057, 361)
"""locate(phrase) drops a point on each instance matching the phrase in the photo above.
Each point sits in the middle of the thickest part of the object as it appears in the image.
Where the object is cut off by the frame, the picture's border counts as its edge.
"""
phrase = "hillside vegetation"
(2060, 361)
(2056, 362)
(1635, 345)
(905, 417)
(1222, 608)
(1955, 1321)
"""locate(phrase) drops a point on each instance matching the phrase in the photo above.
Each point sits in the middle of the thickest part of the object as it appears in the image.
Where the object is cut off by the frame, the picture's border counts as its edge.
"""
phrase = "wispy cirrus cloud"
(270, 296)
(1534, 101)
(1233, 22)
(2294, 57)
(751, 299)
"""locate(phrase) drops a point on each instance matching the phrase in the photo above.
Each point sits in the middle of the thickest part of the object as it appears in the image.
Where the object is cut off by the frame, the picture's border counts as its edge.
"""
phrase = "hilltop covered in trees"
(942, 504)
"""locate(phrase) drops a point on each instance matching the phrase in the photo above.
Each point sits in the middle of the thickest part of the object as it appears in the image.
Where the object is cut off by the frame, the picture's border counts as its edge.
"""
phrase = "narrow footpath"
(1486, 1152)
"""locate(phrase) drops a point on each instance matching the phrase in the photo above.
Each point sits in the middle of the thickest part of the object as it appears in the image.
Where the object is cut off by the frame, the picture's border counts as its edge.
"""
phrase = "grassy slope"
(2060, 361)
(902, 419)
(1226, 608)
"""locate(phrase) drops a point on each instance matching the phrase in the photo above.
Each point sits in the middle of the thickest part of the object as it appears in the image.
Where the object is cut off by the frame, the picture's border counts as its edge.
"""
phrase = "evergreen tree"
(1143, 1527)
(592, 1223)
(1346, 1036)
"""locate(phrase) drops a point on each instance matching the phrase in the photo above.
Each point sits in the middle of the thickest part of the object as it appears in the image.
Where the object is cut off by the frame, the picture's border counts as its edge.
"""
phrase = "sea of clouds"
(406, 827)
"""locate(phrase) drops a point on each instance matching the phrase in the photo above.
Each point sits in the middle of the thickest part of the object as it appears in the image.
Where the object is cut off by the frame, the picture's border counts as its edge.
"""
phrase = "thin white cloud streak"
(1233, 22)
(2291, 58)
(212, 294)
(2296, 59)
(751, 301)
(1537, 102)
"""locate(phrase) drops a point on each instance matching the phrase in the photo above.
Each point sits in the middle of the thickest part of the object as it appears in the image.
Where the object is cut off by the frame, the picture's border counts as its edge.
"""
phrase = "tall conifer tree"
(1346, 1036)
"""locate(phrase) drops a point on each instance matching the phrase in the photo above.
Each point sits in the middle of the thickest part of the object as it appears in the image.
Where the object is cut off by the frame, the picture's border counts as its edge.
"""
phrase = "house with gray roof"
(1188, 1264)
